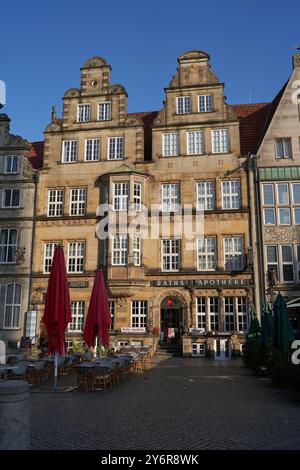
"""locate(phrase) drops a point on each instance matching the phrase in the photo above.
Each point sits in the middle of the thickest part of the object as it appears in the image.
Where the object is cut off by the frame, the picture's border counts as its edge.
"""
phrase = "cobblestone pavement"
(179, 404)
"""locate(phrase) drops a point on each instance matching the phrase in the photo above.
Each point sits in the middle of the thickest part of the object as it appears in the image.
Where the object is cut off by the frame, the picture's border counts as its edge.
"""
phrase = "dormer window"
(205, 103)
(83, 113)
(12, 164)
(183, 105)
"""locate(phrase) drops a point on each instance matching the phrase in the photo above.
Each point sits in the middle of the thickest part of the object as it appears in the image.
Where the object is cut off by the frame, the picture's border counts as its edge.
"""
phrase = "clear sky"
(44, 44)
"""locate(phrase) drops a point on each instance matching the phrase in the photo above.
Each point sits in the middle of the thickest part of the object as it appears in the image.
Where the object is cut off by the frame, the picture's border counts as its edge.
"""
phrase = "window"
(83, 113)
(170, 144)
(283, 194)
(170, 197)
(69, 151)
(119, 250)
(12, 306)
(77, 313)
(269, 216)
(137, 196)
(75, 257)
(92, 150)
(12, 164)
(284, 216)
(115, 148)
(201, 312)
(229, 313)
(55, 202)
(233, 251)
(104, 111)
(170, 254)
(287, 263)
(206, 253)
(137, 242)
(112, 311)
(272, 262)
(231, 194)
(183, 104)
(242, 314)
(77, 201)
(214, 313)
(120, 196)
(11, 198)
(220, 141)
(139, 313)
(296, 193)
(283, 148)
(205, 103)
(205, 195)
(298, 261)
(48, 255)
(195, 144)
(268, 194)
(8, 245)
(198, 349)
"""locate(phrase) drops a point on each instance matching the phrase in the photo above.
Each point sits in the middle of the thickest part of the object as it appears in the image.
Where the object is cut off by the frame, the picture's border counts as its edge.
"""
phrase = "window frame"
(139, 319)
(206, 197)
(116, 155)
(283, 141)
(72, 155)
(123, 198)
(184, 105)
(121, 258)
(234, 253)
(196, 143)
(13, 158)
(78, 317)
(13, 305)
(78, 203)
(86, 115)
(232, 195)
(78, 259)
(58, 205)
(53, 244)
(215, 145)
(104, 103)
(207, 254)
(10, 246)
(172, 152)
(170, 203)
(96, 142)
(4, 190)
(171, 254)
(208, 98)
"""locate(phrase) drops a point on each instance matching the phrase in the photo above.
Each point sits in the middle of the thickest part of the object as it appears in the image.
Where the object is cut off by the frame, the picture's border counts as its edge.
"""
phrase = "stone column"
(14, 415)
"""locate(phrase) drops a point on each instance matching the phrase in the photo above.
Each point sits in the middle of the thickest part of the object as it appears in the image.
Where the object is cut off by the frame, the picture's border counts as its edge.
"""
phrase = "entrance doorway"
(222, 349)
(171, 323)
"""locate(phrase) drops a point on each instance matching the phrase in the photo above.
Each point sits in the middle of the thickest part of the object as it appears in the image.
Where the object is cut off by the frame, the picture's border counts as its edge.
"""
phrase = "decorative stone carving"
(7, 139)
(116, 89)
(72, 92)
(286, 234)
(95, 61)
(53, 127)
(133, 121)
(20, 255)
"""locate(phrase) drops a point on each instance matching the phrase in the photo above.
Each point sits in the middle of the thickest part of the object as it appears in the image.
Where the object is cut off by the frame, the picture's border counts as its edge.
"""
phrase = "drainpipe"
(36, 179)
(255, 232)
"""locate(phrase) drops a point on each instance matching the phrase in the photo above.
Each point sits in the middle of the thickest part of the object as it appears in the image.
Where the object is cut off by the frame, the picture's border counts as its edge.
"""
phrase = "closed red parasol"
(98, 317)
(57, 313)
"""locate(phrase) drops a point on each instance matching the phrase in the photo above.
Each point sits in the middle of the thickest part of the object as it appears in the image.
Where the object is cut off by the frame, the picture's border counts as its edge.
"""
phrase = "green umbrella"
(267, 330)
(283, 333)
(254, 328)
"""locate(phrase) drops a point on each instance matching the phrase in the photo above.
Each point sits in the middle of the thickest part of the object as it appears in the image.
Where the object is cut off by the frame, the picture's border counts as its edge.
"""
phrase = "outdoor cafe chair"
(20, 372)
(84, 377)
(101, 377)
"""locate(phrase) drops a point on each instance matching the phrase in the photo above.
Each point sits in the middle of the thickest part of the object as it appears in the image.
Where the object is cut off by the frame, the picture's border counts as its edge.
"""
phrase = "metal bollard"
(14, 415)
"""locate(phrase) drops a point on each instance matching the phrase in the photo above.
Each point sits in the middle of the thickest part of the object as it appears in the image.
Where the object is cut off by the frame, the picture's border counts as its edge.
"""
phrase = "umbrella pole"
(55, 370)
(96, 347)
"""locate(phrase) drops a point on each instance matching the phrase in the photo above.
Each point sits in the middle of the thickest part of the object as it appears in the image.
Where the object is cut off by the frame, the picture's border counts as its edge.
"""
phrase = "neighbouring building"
(192, 292)
(17, 200)
(276, 170)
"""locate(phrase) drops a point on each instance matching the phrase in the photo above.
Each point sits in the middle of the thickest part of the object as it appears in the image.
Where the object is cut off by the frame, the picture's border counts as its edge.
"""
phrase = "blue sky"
(46, 42)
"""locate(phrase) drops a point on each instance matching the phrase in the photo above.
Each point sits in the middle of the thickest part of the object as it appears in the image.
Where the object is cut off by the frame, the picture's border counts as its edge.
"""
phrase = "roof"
(147, 118)
(36, 154)
(252, 118)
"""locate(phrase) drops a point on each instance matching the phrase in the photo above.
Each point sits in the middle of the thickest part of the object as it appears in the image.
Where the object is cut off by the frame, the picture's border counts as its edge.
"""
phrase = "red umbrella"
(57, 313)
(98, 317)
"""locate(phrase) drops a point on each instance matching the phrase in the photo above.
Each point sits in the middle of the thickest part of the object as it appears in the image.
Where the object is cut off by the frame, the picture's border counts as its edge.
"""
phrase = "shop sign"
(200, 283)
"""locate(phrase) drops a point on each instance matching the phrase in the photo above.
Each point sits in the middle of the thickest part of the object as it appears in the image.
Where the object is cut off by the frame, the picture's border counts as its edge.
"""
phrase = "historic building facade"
(277, 177)
(17, 200)
(129, 176)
